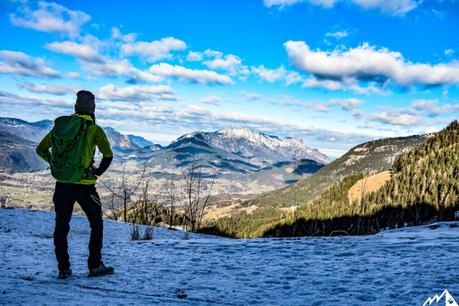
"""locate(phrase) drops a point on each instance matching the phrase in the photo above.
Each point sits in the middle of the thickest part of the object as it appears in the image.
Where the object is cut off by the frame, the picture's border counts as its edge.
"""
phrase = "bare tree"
(112, 211)
(171, 198)
(145, 213)
(125, 191)
(195, 194)
(148, 207)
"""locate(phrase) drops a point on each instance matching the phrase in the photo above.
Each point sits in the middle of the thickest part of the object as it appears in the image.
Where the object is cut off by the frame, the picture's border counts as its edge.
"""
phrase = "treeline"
(386, 217)
(244, 225)
(424, 186)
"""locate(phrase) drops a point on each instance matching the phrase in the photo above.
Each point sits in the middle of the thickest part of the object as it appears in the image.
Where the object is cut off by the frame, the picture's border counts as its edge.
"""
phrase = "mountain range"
(18, 154)
(230, 153)
(260, 148)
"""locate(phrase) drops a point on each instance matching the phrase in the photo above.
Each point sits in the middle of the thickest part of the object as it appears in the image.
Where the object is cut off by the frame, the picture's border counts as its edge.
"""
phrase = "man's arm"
(104, 147)
(43, 148)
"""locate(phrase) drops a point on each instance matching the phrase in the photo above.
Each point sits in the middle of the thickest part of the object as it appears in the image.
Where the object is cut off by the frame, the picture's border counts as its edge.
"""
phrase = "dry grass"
(367, 184)
(215, 212)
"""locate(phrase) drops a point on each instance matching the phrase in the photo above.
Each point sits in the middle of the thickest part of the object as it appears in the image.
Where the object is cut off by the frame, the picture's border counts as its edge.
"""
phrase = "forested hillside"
(369, 157)
(428, 174)
(424, 186)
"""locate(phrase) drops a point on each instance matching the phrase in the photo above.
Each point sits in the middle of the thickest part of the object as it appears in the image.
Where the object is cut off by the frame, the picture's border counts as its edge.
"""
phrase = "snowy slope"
(397, 267)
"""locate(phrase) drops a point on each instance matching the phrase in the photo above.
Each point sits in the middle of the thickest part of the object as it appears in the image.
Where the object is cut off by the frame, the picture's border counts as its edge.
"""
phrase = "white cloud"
(51, 17)
(350, 105)
(53, 89)
(81, 51)
(194, 56)
(252, 96)
(426, 105)
(292, 77)
(230, 63)
(187, 75)
(321, 107)
(136, 93)
(368, 63)
(115, 68)
(416, 115)
(289, 101)
(29, 103)
(357, 114)
(398, 117)
(449, 52)
(212, 99)
(213, 53)
(281, 3)
(432, 108)
(73, 75)
(324, 3)
(321, 83)
(269, 75)
(117, 35)
(216, 60)
(96, 64)
(347, 84)
(278, 74)
(20, 63)
(391, 7)
(346, 104)
(154, 50)
(338, 34)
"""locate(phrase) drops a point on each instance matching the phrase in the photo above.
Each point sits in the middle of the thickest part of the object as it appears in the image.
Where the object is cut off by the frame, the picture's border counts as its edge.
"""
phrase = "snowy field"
(397, 267)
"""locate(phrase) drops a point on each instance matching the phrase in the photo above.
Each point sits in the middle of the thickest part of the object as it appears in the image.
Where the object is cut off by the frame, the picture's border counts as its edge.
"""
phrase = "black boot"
(101, 270)
(64, 274)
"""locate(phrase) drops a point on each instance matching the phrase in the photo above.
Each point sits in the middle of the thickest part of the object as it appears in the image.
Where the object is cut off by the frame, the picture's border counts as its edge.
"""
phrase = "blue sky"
(332, 72)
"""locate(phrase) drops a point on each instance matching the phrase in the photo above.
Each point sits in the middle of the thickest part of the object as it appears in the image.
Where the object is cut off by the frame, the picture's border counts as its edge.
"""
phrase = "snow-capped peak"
(258, 148)
(245, 133)
(261, 147)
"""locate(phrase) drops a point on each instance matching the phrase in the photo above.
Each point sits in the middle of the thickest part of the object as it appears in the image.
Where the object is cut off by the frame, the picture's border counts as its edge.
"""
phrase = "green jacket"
(95, 137)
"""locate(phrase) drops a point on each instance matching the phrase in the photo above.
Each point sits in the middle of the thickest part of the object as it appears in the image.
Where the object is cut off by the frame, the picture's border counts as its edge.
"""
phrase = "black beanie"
(85, 103)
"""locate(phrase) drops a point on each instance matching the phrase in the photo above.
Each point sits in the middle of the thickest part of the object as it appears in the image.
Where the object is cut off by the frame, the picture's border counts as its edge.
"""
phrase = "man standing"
(73, 142)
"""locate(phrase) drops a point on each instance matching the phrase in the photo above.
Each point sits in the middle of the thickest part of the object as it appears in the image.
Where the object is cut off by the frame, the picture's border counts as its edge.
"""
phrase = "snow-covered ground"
(396, 267)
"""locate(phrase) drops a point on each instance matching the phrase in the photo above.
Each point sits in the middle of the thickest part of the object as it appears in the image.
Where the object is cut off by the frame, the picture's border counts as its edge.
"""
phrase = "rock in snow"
(395, 267)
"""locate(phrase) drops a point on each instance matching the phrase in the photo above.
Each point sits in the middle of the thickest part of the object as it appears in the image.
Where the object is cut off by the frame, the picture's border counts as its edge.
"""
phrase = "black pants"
(64, 198)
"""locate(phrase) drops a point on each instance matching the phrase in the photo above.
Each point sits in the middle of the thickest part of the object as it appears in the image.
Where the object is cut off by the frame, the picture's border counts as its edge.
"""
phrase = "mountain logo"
(438, 300)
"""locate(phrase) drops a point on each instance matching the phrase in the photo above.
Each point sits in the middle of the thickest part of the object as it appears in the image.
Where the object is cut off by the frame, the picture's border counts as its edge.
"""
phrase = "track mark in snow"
(181, 295)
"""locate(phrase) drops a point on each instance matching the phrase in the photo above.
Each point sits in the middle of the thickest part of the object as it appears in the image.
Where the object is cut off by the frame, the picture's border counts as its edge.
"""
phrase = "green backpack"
(67, 148)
